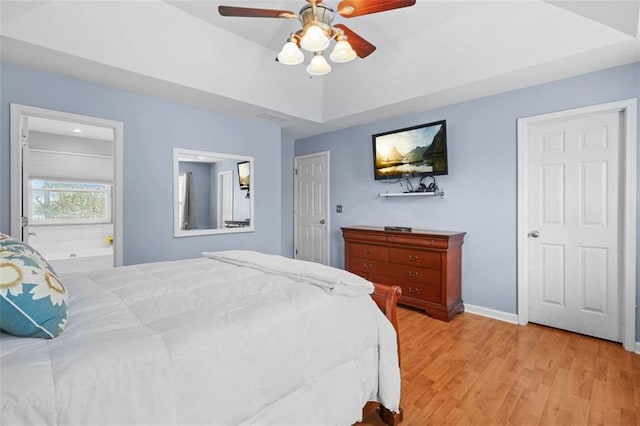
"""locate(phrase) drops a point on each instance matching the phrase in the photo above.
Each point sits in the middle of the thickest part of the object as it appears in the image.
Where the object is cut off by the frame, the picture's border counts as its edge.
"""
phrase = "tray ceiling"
(432, 54)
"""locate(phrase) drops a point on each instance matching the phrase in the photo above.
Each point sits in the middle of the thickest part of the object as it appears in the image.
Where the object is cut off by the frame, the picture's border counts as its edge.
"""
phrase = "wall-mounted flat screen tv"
(244, 170)
(413, 151)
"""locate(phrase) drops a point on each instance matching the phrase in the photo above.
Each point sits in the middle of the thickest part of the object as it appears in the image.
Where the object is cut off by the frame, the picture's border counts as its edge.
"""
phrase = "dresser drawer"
(427, 292)
(406, 274)
(421, 258)
(360, 266)
(436, 243)
(418, 283)
(368, 251)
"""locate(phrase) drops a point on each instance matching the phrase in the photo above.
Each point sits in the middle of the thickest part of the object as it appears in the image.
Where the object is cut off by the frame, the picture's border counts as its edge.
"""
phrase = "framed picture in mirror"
(244, 174)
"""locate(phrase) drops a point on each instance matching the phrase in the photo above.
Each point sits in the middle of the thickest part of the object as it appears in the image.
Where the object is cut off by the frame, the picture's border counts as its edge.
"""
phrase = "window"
(60, 202)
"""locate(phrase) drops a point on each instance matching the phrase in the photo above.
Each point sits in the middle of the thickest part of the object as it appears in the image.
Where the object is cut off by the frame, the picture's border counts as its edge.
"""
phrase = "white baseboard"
(491, 313)
(506, 317)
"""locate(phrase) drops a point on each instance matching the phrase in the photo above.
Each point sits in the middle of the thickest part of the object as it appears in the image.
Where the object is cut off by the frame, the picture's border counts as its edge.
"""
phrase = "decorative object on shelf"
(411, 194)
(426, 265)
(109, 240)
(236, 223)
(318, 30)
(422, 189)
(398, 228)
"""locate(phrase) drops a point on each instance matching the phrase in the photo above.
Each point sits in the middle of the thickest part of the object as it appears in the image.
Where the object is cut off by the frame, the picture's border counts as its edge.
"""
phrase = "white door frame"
(17, 113)
(220, 201)
(327, 233)
(628, 108)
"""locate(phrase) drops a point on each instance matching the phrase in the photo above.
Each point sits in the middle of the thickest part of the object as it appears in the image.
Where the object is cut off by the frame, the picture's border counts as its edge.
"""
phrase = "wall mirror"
(212, 193)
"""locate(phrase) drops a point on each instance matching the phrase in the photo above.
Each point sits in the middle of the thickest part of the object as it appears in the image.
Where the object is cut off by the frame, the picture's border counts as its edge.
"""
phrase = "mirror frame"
(179, 233)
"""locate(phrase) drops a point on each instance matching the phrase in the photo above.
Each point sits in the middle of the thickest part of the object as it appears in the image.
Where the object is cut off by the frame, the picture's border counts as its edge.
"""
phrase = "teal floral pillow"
(33, 301)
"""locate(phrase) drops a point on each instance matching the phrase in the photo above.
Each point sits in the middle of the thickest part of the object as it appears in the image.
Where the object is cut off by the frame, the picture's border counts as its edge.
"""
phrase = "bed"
(228, 338)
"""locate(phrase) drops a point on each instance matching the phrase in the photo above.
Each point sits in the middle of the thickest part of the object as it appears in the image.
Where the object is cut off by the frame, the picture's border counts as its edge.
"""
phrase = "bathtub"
(77, 259)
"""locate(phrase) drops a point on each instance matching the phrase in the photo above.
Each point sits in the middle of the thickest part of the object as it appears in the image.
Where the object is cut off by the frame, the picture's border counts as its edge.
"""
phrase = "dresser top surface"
(412, 232)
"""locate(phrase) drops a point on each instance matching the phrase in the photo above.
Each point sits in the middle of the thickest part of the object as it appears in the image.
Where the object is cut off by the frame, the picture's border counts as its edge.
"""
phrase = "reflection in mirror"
(211, 193)
(244, 174)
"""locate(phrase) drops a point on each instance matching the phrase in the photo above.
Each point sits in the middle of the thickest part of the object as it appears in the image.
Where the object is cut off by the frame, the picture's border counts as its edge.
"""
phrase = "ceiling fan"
(318, 30)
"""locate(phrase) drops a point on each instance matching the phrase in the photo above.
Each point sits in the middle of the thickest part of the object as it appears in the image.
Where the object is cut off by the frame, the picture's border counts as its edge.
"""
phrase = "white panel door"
(311, 208)
(574, 225)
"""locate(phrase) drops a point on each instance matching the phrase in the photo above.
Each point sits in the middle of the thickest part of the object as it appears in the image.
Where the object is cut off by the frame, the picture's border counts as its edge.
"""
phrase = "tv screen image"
(413, 151)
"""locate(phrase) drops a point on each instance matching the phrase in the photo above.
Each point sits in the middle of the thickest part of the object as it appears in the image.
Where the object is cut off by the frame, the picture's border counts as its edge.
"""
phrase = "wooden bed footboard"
(386, 297)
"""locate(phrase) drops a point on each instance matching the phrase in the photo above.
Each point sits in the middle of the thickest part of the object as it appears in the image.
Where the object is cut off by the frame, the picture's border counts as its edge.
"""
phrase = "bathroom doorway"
(66, 187)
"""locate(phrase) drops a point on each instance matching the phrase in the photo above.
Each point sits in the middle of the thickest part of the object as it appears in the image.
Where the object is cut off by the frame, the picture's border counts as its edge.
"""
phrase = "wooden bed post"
(386, 297)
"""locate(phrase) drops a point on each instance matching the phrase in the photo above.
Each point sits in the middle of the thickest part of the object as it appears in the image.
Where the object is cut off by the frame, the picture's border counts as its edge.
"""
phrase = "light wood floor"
(475, 370)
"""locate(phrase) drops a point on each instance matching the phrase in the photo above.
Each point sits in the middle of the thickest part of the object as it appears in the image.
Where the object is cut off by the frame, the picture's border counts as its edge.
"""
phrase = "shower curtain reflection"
(186, 199)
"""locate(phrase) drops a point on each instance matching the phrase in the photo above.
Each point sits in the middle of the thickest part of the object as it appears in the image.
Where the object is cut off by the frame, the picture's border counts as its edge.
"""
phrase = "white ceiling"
(67, 128)
(432, 54)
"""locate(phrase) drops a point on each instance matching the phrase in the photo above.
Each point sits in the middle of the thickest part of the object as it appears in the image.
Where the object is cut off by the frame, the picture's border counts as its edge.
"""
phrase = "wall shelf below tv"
(411, 194)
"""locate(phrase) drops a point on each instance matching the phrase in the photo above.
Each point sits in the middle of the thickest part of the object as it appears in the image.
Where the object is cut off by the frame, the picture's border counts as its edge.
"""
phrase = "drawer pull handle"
(413, 290)
(413, 258)
(367, 251)
(413, 274)
(367, 266)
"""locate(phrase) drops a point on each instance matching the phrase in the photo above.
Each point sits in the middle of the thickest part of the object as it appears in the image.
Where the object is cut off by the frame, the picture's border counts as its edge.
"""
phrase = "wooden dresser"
(426, 265)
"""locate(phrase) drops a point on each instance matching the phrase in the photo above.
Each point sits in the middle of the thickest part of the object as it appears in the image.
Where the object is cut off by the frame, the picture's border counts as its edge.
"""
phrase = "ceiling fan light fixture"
(318, 31)
(314, 39)
(342, 52)
(318, 65)
(290, 54)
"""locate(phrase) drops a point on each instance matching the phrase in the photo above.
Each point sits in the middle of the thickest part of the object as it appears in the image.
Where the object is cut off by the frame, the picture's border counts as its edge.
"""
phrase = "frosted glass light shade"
(342, 52)
(314, 40)
(319, 65)
(290, 54)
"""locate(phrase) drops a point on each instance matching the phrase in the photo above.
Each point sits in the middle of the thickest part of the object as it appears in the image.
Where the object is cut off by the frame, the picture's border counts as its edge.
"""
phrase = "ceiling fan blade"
(249, 12)
(352, 8)
(362, 47)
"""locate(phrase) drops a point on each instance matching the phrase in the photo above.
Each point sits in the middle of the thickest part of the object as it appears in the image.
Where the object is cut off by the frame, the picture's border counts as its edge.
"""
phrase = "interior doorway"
(577, 220)
(311, 204)
(66, 187)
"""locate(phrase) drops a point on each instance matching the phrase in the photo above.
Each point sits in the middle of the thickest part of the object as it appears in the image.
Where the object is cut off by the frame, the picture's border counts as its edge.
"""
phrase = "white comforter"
(202, 341)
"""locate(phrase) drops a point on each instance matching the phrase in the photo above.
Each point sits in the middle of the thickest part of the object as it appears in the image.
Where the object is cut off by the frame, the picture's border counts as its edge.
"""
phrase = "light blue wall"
(481, 185)
(152, 127)
(287, 196)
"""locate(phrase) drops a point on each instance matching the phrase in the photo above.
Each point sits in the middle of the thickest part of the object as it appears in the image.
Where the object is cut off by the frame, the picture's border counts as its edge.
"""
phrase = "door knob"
(534, 234)
(322, 222)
